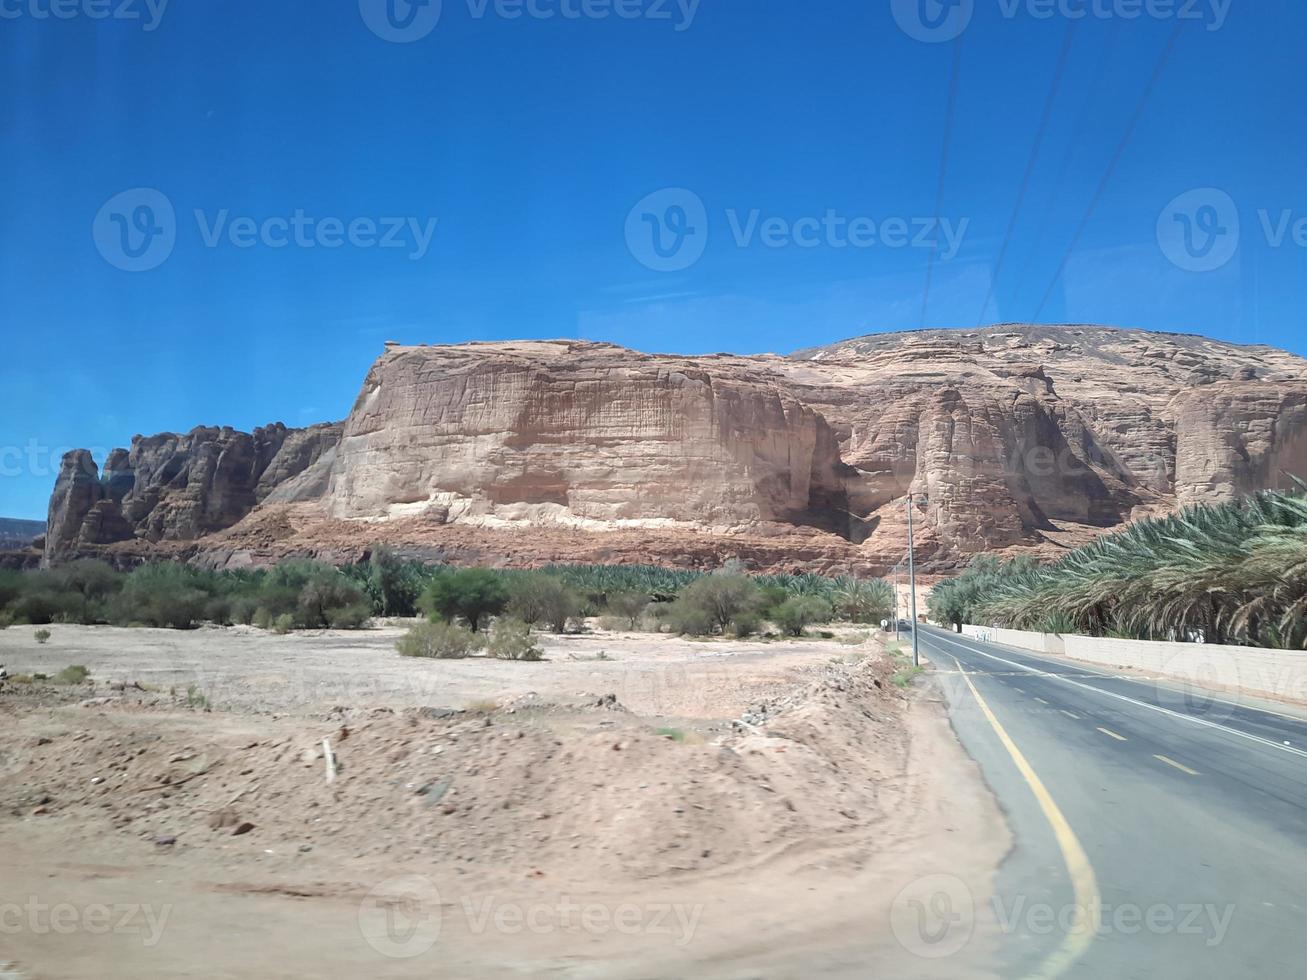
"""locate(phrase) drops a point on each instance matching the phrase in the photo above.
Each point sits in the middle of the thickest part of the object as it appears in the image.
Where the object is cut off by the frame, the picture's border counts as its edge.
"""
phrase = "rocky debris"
(1020, 436)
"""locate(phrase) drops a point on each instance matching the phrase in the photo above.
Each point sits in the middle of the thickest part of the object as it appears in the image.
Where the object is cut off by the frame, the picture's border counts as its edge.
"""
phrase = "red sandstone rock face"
(590, 435)
(1022, 437)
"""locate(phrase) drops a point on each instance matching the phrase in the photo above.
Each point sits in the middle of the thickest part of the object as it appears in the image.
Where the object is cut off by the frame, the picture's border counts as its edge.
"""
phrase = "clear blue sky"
(530, 140)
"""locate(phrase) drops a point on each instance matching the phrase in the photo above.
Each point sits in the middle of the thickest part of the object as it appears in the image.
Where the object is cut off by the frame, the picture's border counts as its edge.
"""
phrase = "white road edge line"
(1142, 678)
(1121, 697)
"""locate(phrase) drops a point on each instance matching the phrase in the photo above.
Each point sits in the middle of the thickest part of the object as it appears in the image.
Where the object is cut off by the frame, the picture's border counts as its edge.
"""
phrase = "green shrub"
(794, 615)
(629, 606)
(438, 640)
(76, 674)
(167, 594)
(325, 590)
(536, 597)
(283, 624)
(350, 617)
(468, 593)
(510, 639)
(244, 609)
(687, 618)
(42, 636)
(727, 601)
(262, 618)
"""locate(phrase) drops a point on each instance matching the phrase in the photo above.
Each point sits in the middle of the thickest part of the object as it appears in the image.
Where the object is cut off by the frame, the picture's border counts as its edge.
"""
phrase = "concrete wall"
(1037, 642)
(1275, 673)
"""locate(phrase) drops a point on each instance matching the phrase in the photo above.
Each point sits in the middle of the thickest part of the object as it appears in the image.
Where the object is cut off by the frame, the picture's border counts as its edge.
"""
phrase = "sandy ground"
(677, 808)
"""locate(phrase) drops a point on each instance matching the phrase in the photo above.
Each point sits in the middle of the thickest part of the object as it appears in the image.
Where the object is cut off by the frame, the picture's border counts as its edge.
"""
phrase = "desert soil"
(633, 806)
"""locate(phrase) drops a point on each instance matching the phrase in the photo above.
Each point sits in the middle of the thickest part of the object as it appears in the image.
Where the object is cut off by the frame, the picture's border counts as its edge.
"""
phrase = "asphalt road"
(1158, 832)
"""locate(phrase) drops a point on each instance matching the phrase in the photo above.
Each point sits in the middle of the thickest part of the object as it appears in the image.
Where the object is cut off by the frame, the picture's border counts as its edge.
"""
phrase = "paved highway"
(1158, 833)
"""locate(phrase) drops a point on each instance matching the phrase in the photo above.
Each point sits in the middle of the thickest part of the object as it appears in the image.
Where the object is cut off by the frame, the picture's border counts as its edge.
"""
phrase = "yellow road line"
(1083, 880)
(1177, 765)
(1069, 714)
(1111, 734)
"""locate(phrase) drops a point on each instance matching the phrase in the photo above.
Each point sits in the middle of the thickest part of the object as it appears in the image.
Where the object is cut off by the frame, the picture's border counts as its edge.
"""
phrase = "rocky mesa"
(1018, 437)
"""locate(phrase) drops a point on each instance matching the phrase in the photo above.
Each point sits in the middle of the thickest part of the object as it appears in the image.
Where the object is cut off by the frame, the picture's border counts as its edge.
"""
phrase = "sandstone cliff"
(590, 435)
(172, 487)
(1021, 438)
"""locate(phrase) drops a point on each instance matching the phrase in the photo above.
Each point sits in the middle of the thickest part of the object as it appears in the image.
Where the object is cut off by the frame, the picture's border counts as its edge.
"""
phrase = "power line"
(943, 169)
(1112, 165)
(1038, 144)
(1072, 147)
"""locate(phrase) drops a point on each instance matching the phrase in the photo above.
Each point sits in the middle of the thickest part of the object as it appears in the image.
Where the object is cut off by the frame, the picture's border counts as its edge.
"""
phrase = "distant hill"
(18, 534)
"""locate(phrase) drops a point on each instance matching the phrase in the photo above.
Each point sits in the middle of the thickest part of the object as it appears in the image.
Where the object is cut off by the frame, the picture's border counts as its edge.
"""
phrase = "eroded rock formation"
(172, 487)
(1021, 437)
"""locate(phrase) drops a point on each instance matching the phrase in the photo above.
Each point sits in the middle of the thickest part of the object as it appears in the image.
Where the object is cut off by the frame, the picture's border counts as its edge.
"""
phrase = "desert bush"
(75, 674)
(438, 640)
(283, 624)
(536, 597)
(723, 598)
(796, 614)
(629, 606)
(167, 594)
(244, 609)
(687, 618)
(510, 639)
(326, 596)
(351, 617)
(467, 593)
(42, 636)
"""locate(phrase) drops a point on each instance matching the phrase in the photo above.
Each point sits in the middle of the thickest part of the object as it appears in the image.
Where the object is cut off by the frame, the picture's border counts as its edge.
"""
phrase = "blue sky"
(786, 153)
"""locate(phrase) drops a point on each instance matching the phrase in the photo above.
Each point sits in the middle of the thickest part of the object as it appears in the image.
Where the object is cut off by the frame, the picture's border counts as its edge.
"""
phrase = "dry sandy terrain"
(678, 808)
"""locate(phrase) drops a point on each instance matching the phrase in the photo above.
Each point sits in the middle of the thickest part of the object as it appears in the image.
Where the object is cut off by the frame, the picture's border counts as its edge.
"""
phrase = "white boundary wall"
(1276, 673)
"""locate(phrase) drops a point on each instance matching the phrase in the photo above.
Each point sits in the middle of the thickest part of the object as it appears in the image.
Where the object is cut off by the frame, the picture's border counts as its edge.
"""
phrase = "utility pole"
(912, 580)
